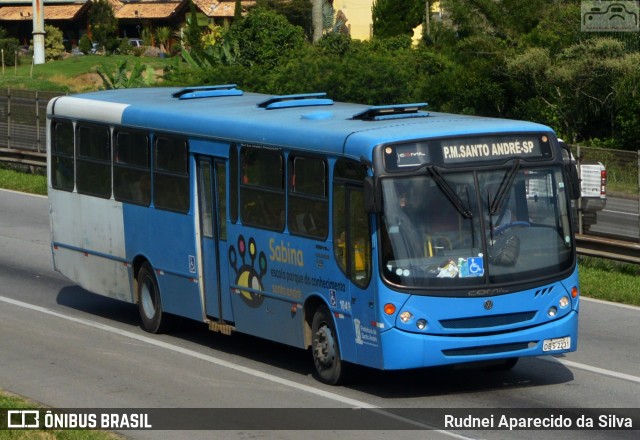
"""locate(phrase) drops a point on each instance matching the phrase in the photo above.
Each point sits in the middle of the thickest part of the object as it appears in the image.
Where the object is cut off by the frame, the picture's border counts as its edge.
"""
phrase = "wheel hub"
(325, 347)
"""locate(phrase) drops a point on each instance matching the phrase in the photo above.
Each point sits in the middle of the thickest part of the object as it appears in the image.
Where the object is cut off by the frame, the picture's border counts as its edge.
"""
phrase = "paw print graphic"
(247, 275)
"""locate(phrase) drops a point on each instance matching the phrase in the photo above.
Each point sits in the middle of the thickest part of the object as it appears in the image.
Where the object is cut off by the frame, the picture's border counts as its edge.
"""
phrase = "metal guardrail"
(625, 251)
(23, 116)
(23, 157)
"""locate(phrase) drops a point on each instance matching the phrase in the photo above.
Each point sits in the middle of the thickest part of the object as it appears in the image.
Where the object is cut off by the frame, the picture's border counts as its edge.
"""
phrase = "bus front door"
(212, 190)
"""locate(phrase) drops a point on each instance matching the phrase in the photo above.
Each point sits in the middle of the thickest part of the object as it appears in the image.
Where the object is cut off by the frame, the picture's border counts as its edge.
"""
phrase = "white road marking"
(220, 362)
(593, 369)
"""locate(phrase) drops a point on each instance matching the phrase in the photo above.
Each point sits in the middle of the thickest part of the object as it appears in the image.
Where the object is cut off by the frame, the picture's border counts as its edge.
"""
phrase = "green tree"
(103, 24)
(265, 37)
(396, 17)
(53, 47)
(192, 32)
(586, 92)
(237, 11)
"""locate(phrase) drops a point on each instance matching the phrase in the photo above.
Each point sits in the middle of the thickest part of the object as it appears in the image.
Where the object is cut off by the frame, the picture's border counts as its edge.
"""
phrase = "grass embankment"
(9, 401)
(19, 181)
(74, 74)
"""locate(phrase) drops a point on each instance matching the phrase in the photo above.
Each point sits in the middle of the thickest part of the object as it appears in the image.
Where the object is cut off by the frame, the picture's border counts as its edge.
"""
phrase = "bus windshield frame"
(445, 230)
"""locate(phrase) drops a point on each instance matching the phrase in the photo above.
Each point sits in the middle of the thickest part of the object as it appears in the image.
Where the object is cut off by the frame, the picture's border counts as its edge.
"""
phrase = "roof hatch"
(396, 111)
(208, 92)
(302, 100)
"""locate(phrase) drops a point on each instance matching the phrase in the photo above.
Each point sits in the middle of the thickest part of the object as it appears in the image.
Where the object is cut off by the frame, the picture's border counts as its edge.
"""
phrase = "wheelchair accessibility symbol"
(475, 266)
(471, 267)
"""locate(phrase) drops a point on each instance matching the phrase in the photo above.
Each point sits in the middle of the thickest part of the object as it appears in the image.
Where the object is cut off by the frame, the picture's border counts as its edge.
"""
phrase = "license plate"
(556, 344)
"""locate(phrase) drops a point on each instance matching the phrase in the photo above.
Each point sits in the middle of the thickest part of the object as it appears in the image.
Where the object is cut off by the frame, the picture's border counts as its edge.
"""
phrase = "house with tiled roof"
(70, 16)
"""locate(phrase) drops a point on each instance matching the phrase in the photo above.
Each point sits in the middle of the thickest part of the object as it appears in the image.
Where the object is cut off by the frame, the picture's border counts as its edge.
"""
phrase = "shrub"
(10, 46)
(84, 45)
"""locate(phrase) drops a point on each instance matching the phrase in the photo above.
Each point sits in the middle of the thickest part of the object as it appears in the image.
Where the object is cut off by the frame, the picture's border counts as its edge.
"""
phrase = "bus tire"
(149, 304)
(329, 367)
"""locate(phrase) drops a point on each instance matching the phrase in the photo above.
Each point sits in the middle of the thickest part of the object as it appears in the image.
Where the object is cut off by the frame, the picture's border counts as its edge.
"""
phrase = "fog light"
(564, 302)
(421, 324)
(553, 311)
(405, 317)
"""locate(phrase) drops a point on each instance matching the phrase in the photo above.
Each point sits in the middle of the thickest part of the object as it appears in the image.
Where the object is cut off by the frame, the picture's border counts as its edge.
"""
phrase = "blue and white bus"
(386, 236)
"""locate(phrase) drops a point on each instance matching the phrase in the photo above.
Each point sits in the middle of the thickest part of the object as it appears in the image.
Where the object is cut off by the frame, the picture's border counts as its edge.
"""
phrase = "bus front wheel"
(329, 367)
(149, 303)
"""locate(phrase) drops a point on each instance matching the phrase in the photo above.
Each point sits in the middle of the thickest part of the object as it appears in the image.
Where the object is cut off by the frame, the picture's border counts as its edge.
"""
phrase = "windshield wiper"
(503, 190)
(449, 192)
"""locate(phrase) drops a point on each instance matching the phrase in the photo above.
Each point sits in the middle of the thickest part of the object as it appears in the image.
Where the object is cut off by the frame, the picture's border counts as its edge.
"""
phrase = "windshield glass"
(473, 228)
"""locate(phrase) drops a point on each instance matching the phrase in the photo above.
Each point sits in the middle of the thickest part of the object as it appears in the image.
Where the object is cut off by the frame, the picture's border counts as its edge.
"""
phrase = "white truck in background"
(593, 190)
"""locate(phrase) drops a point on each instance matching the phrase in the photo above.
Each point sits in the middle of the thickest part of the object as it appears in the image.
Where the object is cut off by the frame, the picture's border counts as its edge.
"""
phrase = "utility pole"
(38, 31)
(316, 18)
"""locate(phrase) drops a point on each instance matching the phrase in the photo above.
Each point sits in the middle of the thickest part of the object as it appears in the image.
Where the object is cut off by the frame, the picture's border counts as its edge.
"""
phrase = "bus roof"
(323, 125)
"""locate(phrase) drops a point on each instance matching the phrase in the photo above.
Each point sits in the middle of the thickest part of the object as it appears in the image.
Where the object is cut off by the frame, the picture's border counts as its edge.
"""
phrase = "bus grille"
(488, 349)
(487, 321)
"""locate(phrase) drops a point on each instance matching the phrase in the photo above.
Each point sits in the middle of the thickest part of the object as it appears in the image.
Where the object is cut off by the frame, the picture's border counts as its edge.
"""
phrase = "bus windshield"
(460, 229)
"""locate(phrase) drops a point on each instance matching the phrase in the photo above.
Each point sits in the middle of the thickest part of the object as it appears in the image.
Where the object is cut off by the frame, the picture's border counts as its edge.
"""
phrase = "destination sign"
(459, 151)
(494, 148)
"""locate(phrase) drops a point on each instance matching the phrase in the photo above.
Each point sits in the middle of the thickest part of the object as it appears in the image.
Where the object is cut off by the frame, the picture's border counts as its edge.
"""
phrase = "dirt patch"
(82, 83)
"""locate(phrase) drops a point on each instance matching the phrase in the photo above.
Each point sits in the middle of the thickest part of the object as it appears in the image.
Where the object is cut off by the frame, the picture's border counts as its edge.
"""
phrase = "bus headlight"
(421, 324)
(564, 302)
(405, 317)
(553, 311)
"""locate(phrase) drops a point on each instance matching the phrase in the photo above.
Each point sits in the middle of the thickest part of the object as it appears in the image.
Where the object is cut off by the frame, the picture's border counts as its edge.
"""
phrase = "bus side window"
(171, 174)
(131, 172)
(351, 226)
(233, 183)
(62, 162)
(262, 188)
(308, 204)
(93, 160)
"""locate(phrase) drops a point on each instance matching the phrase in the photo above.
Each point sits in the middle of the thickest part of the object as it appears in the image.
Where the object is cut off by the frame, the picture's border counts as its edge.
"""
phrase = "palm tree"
(163, 34)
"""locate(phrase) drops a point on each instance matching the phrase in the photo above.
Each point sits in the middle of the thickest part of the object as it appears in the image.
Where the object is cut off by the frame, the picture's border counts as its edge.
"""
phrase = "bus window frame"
(58, 156)
(314, 208)
(177, 175)
(132, 169)
(252, 205)
(84, 162)
(347, 262)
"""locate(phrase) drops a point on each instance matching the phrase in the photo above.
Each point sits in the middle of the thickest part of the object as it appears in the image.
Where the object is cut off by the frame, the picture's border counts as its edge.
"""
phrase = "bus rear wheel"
(149, 304)
(329, 367)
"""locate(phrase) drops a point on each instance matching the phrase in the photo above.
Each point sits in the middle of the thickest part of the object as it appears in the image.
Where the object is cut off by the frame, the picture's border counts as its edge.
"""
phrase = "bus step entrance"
(221, 327)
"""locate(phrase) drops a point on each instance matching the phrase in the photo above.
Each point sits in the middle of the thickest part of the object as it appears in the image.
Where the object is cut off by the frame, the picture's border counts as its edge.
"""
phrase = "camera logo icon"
(611, 16)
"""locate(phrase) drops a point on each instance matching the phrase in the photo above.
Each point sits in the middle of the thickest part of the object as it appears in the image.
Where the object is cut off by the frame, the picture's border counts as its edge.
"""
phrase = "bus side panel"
(88, 243)
(167, 241)
(274, 319)
(278, 269)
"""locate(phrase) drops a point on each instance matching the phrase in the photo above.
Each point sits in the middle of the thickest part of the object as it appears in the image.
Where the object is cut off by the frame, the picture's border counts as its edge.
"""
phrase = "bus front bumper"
(403, 350)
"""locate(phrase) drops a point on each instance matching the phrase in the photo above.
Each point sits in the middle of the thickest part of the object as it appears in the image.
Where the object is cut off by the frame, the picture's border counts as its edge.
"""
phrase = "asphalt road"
(619, 219)
(67, 348)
